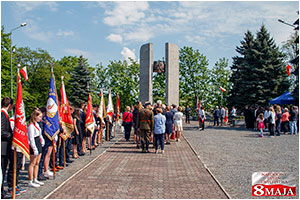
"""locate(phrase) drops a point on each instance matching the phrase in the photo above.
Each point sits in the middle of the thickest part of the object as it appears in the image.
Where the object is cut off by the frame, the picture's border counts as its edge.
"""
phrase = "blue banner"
(52, 114)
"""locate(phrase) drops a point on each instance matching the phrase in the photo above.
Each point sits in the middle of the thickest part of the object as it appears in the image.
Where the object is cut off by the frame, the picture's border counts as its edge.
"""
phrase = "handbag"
(123, 123)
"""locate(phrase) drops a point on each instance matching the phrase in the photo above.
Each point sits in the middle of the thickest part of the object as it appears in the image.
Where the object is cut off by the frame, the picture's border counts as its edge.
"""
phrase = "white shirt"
(202, 113)
(178, 118)
(266, 114)
(33, 131)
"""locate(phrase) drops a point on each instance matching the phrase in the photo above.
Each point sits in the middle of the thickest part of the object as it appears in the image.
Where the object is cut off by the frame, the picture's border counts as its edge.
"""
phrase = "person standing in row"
(226, 116)
(6, 137)
(36, 143)
(260, 124)
(178, 123)
(187, 114)
(202, 118)
(159, 130)
(136, 110)
(216, 116)
(285, 121)
(127, 122)
(76, 133)
(278, 120)
(233, 115)
(169, 124)
(293, 120)
(145, 125)
(272, 115)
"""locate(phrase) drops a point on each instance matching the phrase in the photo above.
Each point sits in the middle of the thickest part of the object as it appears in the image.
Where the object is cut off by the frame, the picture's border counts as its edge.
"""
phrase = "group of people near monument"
(153, 124)
(274, 119)
(41, 147)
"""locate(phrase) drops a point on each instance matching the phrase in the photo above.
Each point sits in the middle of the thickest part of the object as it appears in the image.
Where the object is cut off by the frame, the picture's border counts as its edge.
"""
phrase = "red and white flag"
(67, 122)
(20, 138)
(23, 71)
(288, 69)
(89, 120)
(118, 107)
(223, 89)
(110, 106)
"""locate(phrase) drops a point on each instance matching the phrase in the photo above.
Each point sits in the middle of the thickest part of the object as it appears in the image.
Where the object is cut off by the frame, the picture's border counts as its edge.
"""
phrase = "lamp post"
(11, 81)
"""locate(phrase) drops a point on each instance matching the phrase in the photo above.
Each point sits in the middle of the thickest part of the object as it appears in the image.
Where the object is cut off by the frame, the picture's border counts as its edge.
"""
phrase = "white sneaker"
(32, 184)
(38, 182)
(48, 174)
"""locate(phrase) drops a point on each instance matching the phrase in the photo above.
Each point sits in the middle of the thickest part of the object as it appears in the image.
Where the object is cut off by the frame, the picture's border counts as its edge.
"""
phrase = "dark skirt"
(75, 139)
(169, 128)
(285, 126)
(38, 144)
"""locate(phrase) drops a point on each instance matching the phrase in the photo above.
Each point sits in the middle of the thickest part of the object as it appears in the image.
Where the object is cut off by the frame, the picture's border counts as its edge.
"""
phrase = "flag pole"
(107, 129)
(53, 150)
(14, 173)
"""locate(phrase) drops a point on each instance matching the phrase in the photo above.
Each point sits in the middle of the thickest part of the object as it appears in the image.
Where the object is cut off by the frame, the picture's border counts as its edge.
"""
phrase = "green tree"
(81, 77)
(219, 77)
(159, 87)
(122, 78)
(193, 77)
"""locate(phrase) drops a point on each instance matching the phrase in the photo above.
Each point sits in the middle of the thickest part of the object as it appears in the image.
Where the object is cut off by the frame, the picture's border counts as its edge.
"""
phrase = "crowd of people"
(153, 124)
(274, 119)
(41, 147)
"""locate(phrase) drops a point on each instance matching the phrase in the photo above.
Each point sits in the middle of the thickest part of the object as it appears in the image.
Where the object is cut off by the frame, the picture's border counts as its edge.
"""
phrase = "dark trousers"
(187, 119)
(159, 140)
(79, 146)
(94, 137)
(278, 125)
(202, 124)
(216, 121)
(4, 164)
(10, 174)
(67, 151)
(145, 139)
(272, 129)
(127, 128)
(110, 128)
(222, 120)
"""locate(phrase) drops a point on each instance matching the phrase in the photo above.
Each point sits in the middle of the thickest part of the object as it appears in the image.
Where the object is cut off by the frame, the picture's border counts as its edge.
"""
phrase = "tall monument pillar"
(172, 74)
(146, 60)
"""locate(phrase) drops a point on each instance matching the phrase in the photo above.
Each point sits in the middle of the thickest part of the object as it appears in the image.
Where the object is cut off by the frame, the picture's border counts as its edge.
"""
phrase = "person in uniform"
(145, 125)
(6, 137)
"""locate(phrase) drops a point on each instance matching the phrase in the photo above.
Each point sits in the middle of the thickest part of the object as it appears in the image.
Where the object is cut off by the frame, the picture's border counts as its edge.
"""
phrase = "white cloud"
(195, 39)
(125, 13)
(127, 53)
(65, 33)
(115, 38)
(139, 35)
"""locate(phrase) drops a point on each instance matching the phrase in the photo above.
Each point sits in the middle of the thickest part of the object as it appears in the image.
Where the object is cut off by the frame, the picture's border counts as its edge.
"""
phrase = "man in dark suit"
(6, 137)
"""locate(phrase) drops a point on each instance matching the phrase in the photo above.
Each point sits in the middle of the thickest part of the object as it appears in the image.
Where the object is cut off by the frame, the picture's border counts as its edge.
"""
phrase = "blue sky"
(103, 31)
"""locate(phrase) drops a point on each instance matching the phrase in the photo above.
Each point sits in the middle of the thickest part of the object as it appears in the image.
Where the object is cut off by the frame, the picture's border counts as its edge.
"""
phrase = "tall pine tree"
(259, 74)
(80, 78)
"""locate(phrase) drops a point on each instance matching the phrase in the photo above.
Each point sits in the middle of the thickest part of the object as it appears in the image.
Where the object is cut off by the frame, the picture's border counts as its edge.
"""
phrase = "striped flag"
(89, 120)
(110, 106)
(23, 71)
(288, 70)
(223, 89)
(118, 107)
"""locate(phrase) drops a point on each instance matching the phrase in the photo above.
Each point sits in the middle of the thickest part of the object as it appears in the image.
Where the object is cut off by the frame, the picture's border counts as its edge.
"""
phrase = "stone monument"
(171, 69)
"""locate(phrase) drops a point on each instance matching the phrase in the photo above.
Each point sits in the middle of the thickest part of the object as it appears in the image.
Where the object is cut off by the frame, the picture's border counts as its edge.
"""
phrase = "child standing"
(261, 125)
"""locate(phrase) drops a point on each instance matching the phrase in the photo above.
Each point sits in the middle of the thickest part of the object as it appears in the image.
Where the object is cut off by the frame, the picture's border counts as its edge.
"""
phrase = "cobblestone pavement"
(124, 172)
(233, 154)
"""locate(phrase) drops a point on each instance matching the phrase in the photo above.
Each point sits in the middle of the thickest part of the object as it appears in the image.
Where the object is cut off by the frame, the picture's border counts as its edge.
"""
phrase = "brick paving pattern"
(123, 172)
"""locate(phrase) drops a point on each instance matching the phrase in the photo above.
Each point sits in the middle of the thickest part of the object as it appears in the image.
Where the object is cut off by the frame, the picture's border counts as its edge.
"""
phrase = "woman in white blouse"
(36, 142)
(178, 123)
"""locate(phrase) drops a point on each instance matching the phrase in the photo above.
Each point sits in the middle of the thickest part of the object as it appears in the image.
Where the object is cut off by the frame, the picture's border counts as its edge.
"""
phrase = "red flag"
(288, 69)
(23, 71)
(20, 137)
(100, 94)
(89, 120)
(67, 123)
(118, 107)
(110, 106)
(132, 108)
(223, 89)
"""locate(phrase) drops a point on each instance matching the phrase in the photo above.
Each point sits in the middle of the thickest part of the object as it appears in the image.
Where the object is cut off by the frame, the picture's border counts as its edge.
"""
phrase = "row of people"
(41, 147)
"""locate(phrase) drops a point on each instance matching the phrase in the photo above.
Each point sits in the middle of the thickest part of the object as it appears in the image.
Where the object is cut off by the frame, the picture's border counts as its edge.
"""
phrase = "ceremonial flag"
(288, 69)
(52, 112)
(67, 123)
(89, 120)
(223, 89)
(23, 71)
(110, 106)
(118, 107)
(20, 138)
(101, 109)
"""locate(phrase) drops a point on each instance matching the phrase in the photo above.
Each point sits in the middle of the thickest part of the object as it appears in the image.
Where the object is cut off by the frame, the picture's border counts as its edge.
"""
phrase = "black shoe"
(42, 178)
(70, 161)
